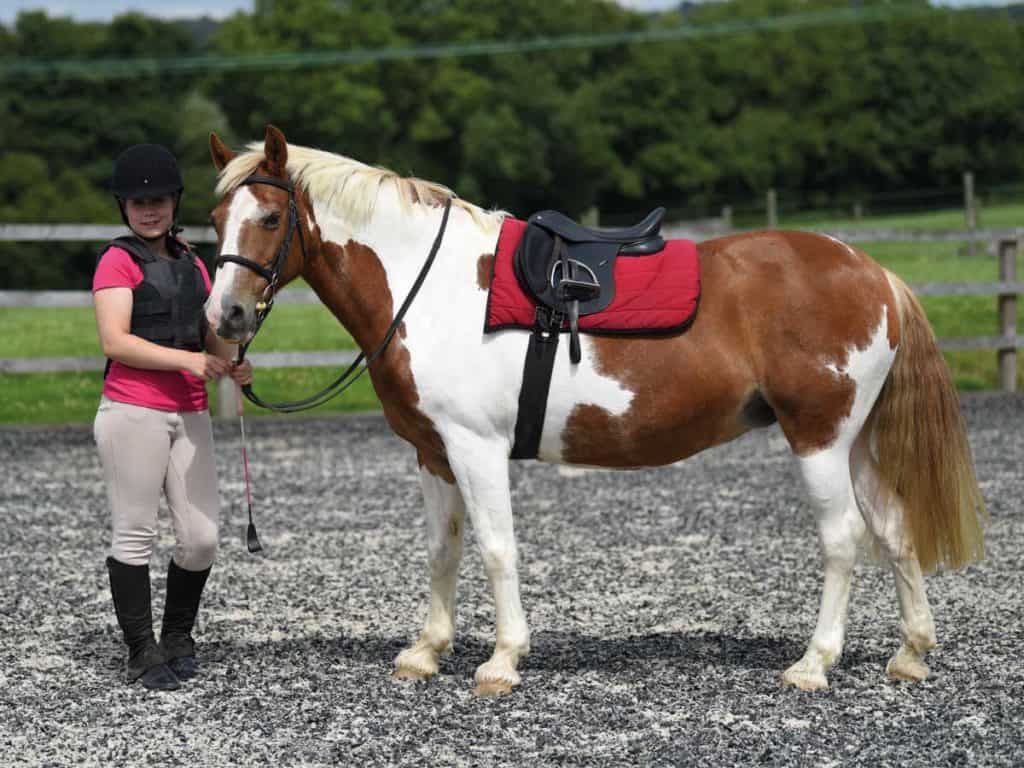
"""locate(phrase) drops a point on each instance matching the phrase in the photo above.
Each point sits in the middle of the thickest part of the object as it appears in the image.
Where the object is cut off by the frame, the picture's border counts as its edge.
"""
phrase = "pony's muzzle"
(236, 321)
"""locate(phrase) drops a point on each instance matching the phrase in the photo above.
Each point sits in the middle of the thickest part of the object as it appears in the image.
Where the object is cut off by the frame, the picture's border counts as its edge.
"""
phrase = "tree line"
(817, 111)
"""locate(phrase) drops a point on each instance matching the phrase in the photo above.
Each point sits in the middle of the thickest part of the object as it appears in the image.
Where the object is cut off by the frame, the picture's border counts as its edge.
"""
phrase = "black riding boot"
(184, 590)
(129, 586)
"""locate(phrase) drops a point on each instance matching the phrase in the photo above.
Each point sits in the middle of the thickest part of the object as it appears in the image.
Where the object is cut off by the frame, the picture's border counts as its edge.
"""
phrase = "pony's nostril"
(234, 313)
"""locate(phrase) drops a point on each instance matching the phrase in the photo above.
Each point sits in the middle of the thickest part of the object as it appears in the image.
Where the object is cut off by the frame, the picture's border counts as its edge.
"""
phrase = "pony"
(794, 328)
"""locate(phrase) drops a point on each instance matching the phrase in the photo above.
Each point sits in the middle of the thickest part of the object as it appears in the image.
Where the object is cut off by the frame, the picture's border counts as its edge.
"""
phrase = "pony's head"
(263, 231)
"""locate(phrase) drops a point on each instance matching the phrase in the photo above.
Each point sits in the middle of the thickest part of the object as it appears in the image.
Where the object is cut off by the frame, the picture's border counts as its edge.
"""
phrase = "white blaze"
(244, 208)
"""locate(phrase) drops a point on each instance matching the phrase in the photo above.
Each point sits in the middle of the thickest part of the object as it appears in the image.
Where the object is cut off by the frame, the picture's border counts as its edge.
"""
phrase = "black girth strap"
(533, 397)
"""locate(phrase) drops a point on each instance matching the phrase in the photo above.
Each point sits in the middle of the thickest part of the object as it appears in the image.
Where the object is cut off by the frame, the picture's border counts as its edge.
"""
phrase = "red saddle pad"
(655, 293)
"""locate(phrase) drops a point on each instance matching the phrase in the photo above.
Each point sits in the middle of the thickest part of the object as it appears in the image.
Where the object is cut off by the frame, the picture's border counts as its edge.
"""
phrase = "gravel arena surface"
(664, 605)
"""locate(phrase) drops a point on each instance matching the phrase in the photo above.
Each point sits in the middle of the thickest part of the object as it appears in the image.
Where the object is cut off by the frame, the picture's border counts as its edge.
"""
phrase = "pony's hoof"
(906, 666)
(415, 664)
(806, 679)
(495, 678)
(492, 688)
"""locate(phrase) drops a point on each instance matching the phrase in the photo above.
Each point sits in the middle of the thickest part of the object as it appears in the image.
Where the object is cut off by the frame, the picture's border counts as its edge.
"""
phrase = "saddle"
(549, 272)
(569, 269)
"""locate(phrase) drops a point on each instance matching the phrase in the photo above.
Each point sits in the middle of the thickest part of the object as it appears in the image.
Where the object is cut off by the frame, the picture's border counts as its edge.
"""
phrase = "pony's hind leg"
(840, 531)
(445, 520)
(883, 511)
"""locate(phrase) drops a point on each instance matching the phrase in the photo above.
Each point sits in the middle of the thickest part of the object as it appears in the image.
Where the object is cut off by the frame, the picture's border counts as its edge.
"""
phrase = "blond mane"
(348, 187)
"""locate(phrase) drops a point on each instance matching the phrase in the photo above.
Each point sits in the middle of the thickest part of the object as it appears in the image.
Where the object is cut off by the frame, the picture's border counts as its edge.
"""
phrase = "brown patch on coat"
(776, 310)
(435, 466)
(485, 271)
(351, 282)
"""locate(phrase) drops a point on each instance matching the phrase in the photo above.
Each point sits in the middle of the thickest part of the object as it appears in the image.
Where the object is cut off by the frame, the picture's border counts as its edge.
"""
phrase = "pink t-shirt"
(162, 390)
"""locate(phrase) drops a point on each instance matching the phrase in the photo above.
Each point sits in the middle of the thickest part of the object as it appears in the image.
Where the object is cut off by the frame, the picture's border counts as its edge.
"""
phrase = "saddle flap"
(590, 281)
(531, 261)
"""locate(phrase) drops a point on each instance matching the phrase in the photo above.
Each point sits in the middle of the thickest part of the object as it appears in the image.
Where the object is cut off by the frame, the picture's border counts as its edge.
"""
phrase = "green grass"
(72, 397)
(72, 331)
(952, 316)
(69, 398)
(1004, 216)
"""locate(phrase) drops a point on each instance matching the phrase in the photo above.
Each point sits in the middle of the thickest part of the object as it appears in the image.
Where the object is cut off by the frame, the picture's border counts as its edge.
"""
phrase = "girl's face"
(151, 217)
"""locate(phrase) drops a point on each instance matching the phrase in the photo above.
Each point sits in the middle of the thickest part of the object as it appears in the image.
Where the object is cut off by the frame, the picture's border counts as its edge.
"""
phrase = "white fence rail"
(1007, 289)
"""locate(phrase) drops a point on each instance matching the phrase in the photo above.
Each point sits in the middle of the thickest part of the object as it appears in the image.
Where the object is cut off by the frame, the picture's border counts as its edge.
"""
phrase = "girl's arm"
(113, 323)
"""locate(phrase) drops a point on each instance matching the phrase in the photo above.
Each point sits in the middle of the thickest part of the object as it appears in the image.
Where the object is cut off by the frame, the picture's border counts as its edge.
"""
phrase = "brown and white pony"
(794, 327)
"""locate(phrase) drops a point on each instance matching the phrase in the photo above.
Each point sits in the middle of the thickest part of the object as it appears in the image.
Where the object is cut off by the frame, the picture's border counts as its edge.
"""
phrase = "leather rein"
(273, 274)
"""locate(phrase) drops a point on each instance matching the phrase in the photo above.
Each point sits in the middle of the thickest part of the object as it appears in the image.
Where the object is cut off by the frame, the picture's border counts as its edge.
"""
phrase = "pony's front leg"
(445, 518)
(481, 469)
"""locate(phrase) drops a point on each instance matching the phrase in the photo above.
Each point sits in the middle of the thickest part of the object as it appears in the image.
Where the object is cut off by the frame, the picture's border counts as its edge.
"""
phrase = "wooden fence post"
(771, 202)
(727, 218)
(970, 211)
(1008, 315)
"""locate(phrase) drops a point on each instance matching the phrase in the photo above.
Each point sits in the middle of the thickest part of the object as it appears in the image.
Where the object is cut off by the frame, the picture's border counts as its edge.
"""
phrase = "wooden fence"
(1007, 289)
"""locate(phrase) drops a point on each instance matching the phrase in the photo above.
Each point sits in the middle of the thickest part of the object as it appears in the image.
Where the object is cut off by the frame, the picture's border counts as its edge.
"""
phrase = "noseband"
(273, 274)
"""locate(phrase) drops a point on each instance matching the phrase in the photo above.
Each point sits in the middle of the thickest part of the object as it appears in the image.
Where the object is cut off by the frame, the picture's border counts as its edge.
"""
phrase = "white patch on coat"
(868, 367)
(244, 208)
(467, 379)
(575, 385)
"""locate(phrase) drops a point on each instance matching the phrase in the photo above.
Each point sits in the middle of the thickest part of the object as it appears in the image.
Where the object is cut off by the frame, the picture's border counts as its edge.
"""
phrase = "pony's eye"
(270, 221)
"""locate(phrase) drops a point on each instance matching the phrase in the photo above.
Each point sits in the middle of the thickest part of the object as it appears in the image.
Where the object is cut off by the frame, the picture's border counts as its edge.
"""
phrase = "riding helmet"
(146, 170)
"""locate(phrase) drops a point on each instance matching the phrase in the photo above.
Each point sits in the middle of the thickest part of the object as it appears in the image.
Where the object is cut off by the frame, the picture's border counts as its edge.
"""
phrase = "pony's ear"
(220, 152)
(276, 150)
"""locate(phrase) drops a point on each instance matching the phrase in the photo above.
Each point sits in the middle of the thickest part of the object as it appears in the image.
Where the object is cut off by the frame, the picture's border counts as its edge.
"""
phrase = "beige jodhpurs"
(145, 451)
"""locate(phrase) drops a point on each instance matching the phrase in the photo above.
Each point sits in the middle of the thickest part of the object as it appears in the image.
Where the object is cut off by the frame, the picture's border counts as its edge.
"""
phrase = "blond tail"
(923, 451)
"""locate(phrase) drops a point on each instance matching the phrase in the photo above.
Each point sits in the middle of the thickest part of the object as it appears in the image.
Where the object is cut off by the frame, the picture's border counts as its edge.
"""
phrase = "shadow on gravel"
(569, 651)
(551, 651)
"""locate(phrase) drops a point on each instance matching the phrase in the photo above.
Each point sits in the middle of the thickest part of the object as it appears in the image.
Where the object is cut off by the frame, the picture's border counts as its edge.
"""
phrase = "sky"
(104, 10)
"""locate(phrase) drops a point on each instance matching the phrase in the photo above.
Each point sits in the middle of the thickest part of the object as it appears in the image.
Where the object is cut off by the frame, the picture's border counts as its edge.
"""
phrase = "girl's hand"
(206, 366)
(242, 372)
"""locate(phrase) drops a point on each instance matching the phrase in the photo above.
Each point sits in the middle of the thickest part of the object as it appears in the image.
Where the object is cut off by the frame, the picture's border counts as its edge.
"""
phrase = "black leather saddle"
(569, 269)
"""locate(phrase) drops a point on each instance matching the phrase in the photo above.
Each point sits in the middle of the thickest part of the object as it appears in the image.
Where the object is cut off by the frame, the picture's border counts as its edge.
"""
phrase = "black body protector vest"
(167, 306)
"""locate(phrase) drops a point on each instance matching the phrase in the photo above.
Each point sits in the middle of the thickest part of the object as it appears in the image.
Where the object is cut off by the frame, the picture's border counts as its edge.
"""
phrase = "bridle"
(272, 276)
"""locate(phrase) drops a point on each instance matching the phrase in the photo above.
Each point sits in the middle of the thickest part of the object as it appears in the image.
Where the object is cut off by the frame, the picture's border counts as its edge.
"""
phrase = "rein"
(350, 375)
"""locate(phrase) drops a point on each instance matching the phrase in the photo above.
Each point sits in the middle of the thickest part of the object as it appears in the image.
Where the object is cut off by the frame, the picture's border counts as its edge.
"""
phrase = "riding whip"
(252, 541)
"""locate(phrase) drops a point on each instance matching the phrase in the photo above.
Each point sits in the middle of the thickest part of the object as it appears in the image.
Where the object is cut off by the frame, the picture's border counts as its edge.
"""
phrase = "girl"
(153, 426)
